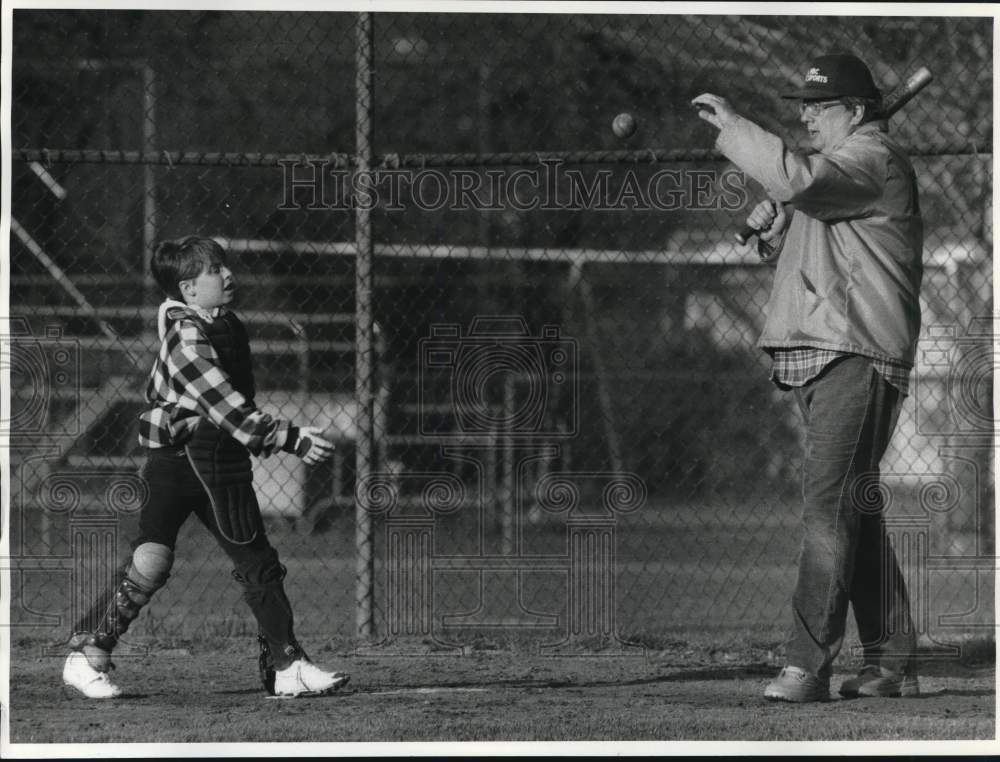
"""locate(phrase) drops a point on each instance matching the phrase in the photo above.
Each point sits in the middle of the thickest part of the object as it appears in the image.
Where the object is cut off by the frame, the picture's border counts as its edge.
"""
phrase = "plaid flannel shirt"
(187, 384)
(798, 366)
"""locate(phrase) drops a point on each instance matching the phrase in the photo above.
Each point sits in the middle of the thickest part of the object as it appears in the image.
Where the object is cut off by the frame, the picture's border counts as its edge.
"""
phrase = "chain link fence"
(532, 341)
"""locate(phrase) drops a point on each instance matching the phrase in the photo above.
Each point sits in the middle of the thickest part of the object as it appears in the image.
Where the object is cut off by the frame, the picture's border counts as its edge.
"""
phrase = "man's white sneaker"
(303, 678)
(78, 674)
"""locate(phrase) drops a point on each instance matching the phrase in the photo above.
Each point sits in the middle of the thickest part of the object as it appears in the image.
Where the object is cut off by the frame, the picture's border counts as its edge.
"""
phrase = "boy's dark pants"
(850, 412)
(175, 492)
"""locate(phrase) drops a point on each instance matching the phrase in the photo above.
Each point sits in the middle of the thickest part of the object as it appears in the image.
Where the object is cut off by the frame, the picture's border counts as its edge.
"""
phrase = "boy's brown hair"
(183, 259)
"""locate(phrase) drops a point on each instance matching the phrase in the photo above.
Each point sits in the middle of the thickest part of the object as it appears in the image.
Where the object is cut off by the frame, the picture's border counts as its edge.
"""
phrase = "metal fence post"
(364, 330)
(149, 221)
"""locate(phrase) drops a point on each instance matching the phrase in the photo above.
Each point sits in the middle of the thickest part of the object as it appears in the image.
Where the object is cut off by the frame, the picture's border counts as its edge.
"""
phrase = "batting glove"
(312, 447)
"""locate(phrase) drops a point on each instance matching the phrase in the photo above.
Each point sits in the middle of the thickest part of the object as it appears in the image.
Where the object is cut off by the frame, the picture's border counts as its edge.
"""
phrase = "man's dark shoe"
(878, 682)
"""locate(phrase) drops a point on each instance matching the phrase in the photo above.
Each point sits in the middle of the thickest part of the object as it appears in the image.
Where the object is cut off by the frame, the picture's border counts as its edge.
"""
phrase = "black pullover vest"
(222, 463)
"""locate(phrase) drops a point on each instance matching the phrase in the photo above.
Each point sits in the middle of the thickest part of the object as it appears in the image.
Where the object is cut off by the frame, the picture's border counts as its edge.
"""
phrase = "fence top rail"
(704, 252)
(49, 156)
(695, 251)
(150, 345)
(290, 319)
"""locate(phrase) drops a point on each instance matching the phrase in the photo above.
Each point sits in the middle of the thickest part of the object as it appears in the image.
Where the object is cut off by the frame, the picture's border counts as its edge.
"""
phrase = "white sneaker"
(303, 678)
(77, 673)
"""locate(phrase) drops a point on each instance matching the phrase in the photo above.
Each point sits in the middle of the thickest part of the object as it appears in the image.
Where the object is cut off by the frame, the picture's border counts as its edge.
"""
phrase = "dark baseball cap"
(835, 76)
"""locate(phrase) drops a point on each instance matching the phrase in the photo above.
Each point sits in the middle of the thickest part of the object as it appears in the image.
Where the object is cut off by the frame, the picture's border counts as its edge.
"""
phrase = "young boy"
(200, 430)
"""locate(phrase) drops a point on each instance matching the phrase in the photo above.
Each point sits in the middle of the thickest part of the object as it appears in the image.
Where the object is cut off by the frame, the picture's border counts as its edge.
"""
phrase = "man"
(843, 224)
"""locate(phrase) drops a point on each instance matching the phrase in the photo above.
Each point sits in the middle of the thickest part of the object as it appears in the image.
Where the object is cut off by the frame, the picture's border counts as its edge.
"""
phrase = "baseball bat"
(892, 103)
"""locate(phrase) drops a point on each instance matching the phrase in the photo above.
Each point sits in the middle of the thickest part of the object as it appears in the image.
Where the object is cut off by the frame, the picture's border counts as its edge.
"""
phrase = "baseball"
(624, 125)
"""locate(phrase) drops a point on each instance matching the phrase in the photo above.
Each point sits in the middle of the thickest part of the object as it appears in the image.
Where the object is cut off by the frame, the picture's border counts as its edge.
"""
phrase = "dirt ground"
(197, 694)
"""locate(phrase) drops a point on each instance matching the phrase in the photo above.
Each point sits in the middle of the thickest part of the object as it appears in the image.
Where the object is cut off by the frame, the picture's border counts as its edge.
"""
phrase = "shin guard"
(264, 592)
(147, 573)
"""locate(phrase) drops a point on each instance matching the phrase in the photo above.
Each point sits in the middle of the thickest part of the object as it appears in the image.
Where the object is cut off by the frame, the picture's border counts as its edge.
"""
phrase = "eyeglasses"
(815, 108)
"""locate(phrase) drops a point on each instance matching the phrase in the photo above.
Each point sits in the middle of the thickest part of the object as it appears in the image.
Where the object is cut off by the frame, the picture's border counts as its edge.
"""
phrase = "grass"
(709, 619)
(678, 570)
(688, 691)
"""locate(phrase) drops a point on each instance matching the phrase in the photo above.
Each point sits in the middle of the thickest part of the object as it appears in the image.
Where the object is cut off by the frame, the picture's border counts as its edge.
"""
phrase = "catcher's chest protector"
(222, 463)
(229, 339)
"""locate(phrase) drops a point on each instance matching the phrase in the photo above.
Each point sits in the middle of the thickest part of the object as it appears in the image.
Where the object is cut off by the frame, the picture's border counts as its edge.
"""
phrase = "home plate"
(431, 690)
(319, 694)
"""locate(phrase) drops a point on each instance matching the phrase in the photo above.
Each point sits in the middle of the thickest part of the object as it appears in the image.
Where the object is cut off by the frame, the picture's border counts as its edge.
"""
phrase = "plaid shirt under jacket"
(798, 366)
(187, 384)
